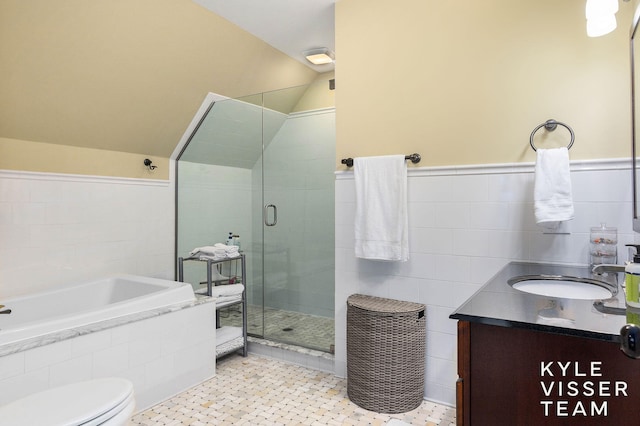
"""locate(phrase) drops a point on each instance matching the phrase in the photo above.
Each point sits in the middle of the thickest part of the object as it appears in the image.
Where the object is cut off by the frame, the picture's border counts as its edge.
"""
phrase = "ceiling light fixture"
(601, 17)
(319, 56)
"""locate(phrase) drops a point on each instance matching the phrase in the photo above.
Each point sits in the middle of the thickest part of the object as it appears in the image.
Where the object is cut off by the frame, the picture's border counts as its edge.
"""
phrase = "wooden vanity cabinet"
(517, 376)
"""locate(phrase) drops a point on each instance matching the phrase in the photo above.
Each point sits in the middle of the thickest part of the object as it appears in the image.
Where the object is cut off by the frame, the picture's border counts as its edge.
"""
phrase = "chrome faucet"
(6, 311)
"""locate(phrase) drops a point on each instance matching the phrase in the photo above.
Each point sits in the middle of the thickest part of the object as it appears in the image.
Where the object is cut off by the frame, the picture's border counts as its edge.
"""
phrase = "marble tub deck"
(82, 330)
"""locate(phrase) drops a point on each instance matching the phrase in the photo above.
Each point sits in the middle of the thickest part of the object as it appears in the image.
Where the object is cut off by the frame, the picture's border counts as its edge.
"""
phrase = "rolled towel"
(227, 290)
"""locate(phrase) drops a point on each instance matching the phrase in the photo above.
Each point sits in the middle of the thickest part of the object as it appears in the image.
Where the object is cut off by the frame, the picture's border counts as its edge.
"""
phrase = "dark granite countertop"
(498, 303)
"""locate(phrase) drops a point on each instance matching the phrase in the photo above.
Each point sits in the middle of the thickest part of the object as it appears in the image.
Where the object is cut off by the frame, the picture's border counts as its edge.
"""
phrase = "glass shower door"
(298, 221)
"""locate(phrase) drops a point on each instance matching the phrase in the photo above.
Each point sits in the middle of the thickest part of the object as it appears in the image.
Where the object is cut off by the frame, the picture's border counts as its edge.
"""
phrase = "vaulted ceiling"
(290, 26)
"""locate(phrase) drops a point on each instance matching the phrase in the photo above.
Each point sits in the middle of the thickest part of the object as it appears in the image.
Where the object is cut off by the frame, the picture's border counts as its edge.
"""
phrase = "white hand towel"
(382, 225)
(552, 198)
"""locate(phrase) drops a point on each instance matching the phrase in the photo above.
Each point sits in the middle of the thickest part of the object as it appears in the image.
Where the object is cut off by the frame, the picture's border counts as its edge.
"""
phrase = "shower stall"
(261, 167)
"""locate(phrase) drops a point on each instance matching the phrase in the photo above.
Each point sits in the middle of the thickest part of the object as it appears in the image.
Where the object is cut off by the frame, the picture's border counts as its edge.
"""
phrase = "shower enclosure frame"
(268, 213)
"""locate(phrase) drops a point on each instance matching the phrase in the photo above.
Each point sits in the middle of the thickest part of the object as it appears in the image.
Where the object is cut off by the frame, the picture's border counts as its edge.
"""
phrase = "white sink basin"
(563, 287)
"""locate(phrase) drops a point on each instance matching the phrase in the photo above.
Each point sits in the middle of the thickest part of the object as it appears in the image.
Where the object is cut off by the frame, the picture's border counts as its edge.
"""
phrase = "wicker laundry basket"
(385, 353)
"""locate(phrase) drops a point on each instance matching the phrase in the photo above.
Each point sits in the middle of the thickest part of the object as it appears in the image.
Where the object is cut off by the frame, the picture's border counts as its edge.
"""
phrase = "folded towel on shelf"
(218, 251)
(227, 290)
(202, 256)
(223, 301)
(210, 250)
(226, 247)
(232, 251)
(381, 225)
(553, 202)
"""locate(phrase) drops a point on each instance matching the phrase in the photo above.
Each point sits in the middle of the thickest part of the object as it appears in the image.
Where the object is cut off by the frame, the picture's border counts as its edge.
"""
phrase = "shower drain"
(287, 329)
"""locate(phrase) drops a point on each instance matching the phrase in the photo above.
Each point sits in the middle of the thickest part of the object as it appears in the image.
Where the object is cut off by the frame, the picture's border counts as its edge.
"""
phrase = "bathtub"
(150, 331)
(78, 305)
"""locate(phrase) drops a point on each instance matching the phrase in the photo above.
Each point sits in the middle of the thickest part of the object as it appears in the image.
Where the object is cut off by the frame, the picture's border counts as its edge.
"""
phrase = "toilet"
(108, 401)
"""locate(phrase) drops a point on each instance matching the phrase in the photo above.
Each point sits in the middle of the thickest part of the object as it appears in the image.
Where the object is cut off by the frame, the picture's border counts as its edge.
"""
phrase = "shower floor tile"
(263, 391)
(305, 330)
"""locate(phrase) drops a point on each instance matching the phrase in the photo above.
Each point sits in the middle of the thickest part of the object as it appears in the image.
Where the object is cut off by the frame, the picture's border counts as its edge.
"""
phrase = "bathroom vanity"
(528, 359)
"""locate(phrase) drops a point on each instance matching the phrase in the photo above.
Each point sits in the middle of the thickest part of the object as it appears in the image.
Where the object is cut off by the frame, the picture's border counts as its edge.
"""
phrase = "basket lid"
(381, 304)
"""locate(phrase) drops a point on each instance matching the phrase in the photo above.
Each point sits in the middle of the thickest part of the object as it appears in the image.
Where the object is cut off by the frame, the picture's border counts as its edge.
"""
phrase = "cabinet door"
(464, 365)
(524, 377)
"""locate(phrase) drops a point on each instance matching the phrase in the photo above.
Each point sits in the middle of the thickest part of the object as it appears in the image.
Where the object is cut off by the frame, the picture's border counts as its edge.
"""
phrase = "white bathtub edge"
(70, 333)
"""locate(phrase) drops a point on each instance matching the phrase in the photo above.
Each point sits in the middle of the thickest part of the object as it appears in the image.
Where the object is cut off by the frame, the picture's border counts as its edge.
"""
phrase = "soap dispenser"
(632, 279)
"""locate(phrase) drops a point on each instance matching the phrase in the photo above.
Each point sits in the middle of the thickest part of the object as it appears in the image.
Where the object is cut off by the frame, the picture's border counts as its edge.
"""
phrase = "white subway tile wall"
(56, 229)
(465, 224)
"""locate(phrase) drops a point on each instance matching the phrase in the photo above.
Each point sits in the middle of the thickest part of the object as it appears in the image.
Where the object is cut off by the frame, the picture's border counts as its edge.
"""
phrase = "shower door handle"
(266, 215)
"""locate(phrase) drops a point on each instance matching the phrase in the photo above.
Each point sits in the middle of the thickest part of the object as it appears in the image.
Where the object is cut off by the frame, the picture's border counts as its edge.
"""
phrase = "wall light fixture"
(601, 17)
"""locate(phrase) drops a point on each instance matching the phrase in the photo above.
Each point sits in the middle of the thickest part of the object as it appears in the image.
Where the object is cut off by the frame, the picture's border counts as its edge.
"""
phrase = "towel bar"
(415, 159)
(550, 126)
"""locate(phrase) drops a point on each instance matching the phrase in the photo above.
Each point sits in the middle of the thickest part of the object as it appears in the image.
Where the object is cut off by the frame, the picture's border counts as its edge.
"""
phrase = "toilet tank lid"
(68, 405)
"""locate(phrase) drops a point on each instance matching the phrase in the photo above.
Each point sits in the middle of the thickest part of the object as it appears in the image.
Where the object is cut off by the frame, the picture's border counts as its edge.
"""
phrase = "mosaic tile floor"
(305, 330)
(263, 391)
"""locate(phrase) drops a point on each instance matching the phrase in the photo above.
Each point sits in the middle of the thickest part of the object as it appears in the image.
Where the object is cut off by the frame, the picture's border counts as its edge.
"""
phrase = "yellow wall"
(46, 157)
(318, 95)
(465, 82)
(120, 76)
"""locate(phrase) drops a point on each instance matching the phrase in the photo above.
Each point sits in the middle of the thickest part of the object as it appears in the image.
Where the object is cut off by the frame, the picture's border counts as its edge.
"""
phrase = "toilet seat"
(87, 403)
(116, 416)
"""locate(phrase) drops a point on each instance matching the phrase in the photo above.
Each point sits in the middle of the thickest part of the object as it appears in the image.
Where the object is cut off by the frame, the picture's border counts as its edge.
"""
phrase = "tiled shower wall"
(56, 229)
(465, 224)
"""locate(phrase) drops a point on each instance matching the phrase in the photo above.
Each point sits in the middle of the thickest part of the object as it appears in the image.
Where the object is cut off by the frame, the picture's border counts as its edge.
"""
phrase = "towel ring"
(550, 126)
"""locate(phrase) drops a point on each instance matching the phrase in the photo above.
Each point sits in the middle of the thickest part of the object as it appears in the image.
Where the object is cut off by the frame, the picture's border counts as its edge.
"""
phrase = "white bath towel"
(227, 290)
(381, 225)
(553, 202)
